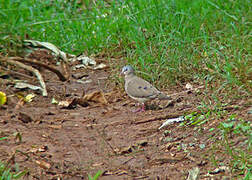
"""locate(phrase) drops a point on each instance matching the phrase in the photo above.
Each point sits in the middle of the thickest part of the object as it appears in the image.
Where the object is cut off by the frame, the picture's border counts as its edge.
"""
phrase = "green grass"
(96, 176)
(171, 41)
(240, 158)
(231, 140)
(232, 146)
(6, 173)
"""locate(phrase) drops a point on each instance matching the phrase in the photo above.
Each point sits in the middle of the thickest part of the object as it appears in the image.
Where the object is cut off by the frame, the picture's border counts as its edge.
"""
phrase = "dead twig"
(128, 160)
(33, 70)
(23, 153)
(17, 73)
(66, 69)
(10, 160)
(34, 62)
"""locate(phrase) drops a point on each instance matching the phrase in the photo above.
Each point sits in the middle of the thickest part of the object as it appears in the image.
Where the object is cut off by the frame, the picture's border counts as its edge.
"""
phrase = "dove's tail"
(163, 96)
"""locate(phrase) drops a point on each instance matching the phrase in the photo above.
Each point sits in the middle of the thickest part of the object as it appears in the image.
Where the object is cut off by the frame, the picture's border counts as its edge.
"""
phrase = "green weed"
(5, 171)
(240, 155)
(2, 138)
(96, 176)
(6, 174)
(206, 113)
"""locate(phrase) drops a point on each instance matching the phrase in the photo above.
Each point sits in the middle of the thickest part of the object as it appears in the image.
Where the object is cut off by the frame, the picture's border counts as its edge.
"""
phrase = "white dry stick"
(170, 121)
(34, 71)
(193, 174)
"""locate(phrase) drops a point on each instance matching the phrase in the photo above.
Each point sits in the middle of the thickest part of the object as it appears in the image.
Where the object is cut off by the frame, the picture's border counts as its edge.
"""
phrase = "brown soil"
(72, 143)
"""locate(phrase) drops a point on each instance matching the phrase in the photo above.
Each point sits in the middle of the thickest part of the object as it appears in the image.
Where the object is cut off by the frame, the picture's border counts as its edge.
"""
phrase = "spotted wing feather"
(139, 88)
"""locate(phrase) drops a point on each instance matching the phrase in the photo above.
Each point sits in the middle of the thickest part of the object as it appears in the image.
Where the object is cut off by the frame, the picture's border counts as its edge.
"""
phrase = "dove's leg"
(142, 109)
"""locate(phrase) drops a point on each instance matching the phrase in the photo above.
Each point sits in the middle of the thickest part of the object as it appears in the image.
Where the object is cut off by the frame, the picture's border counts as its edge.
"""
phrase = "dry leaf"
(218, 170)
(19, 103)
(22, 85)
(189, 86)
(96, 96)
(75, 102)
(24, 118)
(40, 149)
(100, 66)
(97, 164)
(47, 45)
(166, 159)
(29, 97)
(121, 172)
(84, 82)
(43, 164)
(64, 103)
(126, 150)
(18, 136)
(117, 172)
(3, 98)
(193, 173)
(55, 126)
(142, 142)
(79, 101)
(87, 62)
(43, 149)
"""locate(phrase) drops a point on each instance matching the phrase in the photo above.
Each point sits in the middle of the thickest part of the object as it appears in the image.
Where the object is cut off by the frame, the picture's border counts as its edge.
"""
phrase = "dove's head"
(127, 70)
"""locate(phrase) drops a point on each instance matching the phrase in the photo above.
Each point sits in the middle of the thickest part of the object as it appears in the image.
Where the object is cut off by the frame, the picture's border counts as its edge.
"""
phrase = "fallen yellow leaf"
(3, 98)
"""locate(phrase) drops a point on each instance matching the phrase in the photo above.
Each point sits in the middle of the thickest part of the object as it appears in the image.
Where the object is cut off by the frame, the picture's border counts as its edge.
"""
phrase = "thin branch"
(17, 73)
(34, 62)
(33, 70)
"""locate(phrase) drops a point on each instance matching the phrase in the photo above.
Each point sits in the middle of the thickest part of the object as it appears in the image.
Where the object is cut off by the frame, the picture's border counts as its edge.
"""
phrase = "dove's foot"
(142, 109)
(137, 110)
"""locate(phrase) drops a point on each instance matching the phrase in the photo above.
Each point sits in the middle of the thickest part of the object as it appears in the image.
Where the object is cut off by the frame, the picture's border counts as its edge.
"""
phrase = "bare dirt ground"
(61, 143)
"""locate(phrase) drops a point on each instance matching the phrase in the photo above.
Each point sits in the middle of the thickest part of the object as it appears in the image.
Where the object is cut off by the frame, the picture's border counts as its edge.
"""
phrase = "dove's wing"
(139, 88)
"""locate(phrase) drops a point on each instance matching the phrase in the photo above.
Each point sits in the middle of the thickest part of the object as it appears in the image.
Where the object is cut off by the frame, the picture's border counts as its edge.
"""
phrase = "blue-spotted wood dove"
(139, 89)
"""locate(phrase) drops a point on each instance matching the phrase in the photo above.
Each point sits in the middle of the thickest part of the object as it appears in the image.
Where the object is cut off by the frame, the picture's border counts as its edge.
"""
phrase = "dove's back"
(137, 87)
